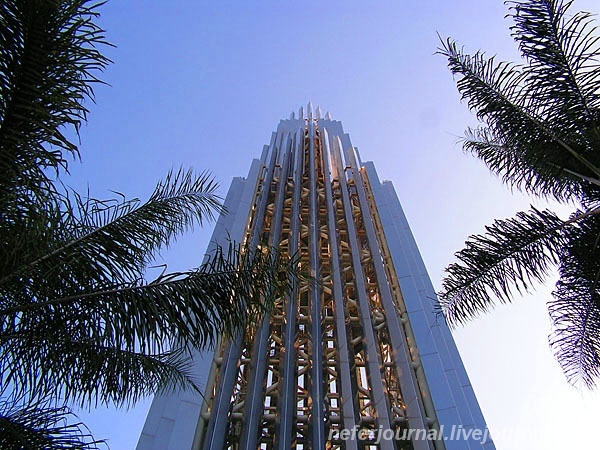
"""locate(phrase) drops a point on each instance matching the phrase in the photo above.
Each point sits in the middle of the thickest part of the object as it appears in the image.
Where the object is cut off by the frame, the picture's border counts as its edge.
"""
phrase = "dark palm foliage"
(79, 321)
(82, 292)
(541, 134)
(26, 424)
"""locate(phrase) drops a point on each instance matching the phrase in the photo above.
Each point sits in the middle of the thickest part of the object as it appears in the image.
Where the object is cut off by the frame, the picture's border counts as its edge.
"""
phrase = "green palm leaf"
(512, 255)
(48, 57)
(563, 70)
(83, 372)
(540, 133)
(575, 311)
(503, 157)
(79, 321)
(41, 425)
(95, 243)
(498, 93)
(181, 310)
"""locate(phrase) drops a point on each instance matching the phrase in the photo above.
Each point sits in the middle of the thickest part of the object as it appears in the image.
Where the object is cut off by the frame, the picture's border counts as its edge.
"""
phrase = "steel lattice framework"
(335, 353)
(341, 352)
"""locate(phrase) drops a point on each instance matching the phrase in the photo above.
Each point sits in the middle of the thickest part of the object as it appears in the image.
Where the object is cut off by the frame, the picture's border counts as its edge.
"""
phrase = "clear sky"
(203, 84)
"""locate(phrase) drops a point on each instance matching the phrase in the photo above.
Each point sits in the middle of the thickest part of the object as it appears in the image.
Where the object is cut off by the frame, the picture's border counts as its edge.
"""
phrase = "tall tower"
(358, 360)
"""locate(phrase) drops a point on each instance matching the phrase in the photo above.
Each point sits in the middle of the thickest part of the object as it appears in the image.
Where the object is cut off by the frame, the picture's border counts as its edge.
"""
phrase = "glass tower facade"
(356, 360)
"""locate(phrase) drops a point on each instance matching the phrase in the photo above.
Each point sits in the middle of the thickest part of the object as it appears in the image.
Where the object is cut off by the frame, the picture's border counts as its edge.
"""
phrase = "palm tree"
(80, 323)
(540, 133)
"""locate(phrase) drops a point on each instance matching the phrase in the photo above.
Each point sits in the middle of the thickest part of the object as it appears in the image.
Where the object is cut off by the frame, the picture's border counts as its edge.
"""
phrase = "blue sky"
(203, 84)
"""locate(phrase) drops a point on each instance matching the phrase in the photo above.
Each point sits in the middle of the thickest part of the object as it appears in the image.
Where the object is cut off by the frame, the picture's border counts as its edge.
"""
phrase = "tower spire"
(339, 354)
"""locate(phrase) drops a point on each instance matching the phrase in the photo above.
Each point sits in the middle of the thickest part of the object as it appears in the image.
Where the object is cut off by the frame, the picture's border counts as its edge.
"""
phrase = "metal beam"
(288, 373)
(373, 363)
(348, 413)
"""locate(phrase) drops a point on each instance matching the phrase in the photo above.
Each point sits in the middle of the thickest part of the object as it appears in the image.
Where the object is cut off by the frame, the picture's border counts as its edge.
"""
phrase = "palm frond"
(28, 227)
(564, 67)
(498, 94)
(41, 425)
(85, 373)
(575, 311)
(181, 310)
(512, 255)
(503, 158)
(541, 133)
(48, 61)
(95, 244)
